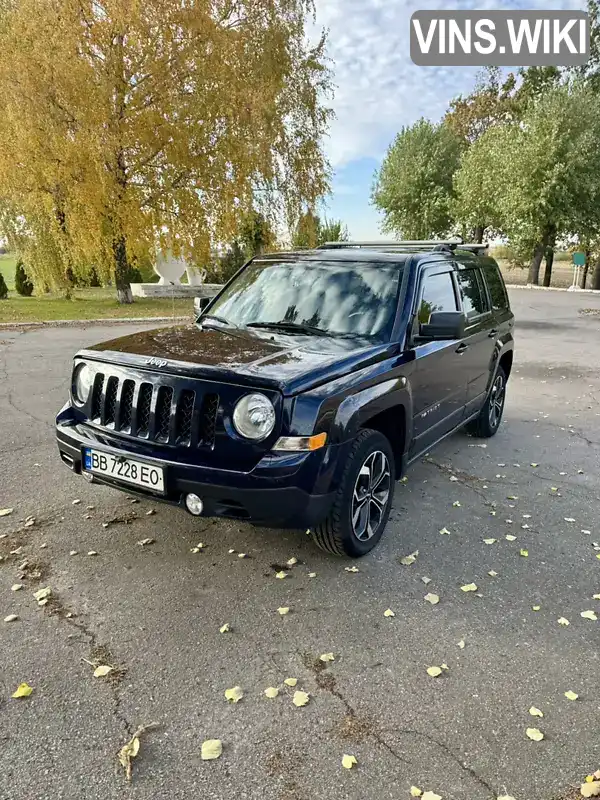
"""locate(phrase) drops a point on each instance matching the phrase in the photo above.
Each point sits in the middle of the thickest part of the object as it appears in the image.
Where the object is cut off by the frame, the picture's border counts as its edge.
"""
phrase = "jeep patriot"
(303, 390)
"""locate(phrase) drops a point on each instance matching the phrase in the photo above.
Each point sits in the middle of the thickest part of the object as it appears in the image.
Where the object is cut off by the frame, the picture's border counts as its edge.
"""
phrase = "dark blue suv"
(303, 390)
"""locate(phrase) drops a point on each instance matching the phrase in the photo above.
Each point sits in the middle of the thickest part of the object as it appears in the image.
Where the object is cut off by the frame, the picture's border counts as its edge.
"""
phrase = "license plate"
(124, 469)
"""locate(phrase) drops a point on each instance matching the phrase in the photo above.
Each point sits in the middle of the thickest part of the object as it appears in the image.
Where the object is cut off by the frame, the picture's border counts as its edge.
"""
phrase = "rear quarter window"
(496, 287)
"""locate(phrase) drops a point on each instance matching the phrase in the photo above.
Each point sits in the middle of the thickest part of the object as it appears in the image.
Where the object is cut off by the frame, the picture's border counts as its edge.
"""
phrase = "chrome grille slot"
(208, 420)
(143, 413)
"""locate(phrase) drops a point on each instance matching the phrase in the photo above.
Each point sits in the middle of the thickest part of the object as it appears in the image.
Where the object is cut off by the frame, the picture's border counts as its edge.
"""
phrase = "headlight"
(83, 378)
(254, 416)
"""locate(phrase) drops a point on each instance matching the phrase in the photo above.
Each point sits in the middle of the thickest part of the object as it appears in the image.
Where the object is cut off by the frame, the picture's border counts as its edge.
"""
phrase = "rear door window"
(474, 297)
(496, 287)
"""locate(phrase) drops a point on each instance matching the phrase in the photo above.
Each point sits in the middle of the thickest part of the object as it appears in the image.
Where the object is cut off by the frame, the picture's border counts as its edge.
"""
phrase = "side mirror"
(200, 304)
(444, 325)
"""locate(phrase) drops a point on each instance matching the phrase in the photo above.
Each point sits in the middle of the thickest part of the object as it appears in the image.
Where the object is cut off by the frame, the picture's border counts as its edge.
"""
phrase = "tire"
(487, 423)
(371, 453)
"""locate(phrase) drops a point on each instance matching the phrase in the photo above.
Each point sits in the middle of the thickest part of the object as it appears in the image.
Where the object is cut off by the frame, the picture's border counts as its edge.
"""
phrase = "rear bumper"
(292, 491)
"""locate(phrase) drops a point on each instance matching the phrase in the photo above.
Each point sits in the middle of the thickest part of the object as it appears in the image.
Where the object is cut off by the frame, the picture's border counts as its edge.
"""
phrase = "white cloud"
(378, 88)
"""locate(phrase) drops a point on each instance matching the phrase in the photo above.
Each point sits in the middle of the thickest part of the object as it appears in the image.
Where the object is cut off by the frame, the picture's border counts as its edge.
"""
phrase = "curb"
(551, 288)
(82, 323)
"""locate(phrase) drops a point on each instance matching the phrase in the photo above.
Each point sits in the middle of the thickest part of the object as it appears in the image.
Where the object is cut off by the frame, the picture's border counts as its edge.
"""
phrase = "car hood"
(289, 363)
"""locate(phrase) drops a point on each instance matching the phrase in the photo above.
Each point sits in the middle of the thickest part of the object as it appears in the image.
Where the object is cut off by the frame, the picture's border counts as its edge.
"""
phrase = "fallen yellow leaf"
(431, 796)
(281, 575)
(300, 698)
(102, 671)
(293, 560)
(563, 621)
(43, 594)
(225, 628)
(406, 561)
(506, 797)
(433, 672)
(490, 541)
(16, 587)
(388, 613)
(571, 695)
(415, 791)
(590, 789)
(492, 573)
(461, 644)
(456, 504)
(589, 615)
(11, 618)
(348, 761)
(536, 608)
(469, 587)
(432, 598)
(445, 532)
(4, 512)
(596, 596)
(351, 569)
(509, 537)
(535, 734)
(535, 712)
(291, 681)
(283, 610)
(271, 692)
(234, 695)
(22, 690)
(211, 749)
(523, 552)
(327, 657)
(312, 574)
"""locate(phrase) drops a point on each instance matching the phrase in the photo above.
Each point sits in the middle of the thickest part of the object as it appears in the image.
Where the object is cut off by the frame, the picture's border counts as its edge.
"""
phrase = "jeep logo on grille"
(156, 362)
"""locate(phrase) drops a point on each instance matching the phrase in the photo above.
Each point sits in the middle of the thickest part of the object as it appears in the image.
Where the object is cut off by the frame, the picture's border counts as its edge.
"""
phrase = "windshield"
(349, 298)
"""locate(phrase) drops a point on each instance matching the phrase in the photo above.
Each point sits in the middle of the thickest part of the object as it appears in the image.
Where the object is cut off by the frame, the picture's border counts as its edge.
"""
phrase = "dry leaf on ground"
(22, 690)
(388, 613)
(327, 657)
(590, 789)
(281, 575)
(283, 610)
(535, 712)
(535, 734)
(434, 599)
(226, 628)
(431, 795)
(350, 569)
(469, 587)
(571, 695)
(300, 698)
(234, 695)
(11, 618)
(4, 512)
(563, 621)
(291, 681)
(415, 791)
(132, 748)
(102, 670)
(434, 672)
(293, 560)
(211, 749)
(406, 561)
(348, 761)
(271, 692)
(589, 615)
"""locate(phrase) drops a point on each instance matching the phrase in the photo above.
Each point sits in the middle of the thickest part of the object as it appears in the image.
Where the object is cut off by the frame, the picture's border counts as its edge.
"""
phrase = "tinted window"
(340, 297)
(438, 295)
(474, 299)
(496, 287)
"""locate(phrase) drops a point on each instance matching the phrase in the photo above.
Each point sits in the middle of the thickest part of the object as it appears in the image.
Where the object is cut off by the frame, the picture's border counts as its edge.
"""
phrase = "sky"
(378, 90)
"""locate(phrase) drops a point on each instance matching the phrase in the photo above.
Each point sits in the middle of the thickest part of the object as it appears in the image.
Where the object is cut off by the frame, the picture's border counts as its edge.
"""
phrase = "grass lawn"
(88, 304)
(8, 262)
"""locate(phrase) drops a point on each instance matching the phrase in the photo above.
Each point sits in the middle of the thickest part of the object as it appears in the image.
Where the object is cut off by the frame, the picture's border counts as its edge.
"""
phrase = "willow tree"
(133, 126)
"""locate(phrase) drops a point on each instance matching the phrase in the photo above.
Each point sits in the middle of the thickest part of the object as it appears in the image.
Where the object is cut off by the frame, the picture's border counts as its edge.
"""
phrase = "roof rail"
(434, 245)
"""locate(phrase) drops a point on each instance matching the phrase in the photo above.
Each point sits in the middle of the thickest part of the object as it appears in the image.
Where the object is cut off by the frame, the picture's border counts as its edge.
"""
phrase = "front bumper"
(293, 490)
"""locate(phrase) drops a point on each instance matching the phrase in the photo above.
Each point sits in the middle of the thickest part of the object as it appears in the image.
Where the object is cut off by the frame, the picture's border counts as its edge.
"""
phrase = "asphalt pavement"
(154, 612)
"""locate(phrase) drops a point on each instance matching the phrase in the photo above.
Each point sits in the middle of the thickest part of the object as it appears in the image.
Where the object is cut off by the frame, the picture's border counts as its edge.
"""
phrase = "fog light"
(193, 504)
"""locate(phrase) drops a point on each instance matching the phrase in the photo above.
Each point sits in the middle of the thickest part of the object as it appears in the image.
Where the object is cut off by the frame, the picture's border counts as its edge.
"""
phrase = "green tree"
(414, 188)
(490, 103)
(306, 234)
(333, 230)
(256, 234)
(546, 173)
(3, 288)
(126, 126)
(23, 285)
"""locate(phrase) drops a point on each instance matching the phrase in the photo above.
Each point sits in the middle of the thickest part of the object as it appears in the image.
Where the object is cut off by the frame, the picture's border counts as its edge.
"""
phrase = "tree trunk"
(534, 268)
(549, 262)
(122, 271)
(478, 234)
(596, 276)
(549, 254)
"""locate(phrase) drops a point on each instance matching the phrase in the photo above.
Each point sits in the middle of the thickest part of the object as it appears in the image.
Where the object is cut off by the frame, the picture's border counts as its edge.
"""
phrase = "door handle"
(462, 347)
(492, 333)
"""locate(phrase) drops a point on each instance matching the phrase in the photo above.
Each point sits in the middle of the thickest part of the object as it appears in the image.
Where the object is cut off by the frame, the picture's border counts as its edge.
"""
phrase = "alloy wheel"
(497, 401)
(371, 495)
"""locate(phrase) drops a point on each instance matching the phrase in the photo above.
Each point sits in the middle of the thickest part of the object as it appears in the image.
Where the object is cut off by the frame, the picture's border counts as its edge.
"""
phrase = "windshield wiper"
(218, 319)
(293, 327)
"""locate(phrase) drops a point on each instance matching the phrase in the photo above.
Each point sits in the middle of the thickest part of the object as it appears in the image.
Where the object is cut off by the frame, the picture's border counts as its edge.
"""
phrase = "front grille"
(158, 413)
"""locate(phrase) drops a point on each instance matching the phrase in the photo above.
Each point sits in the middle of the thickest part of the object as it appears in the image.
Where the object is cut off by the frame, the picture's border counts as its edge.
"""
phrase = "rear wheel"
(490, 416)
(363, 501)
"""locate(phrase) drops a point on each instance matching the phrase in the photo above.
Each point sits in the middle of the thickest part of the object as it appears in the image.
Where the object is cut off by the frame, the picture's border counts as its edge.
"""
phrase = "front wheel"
(363, 501)
(490, 416)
